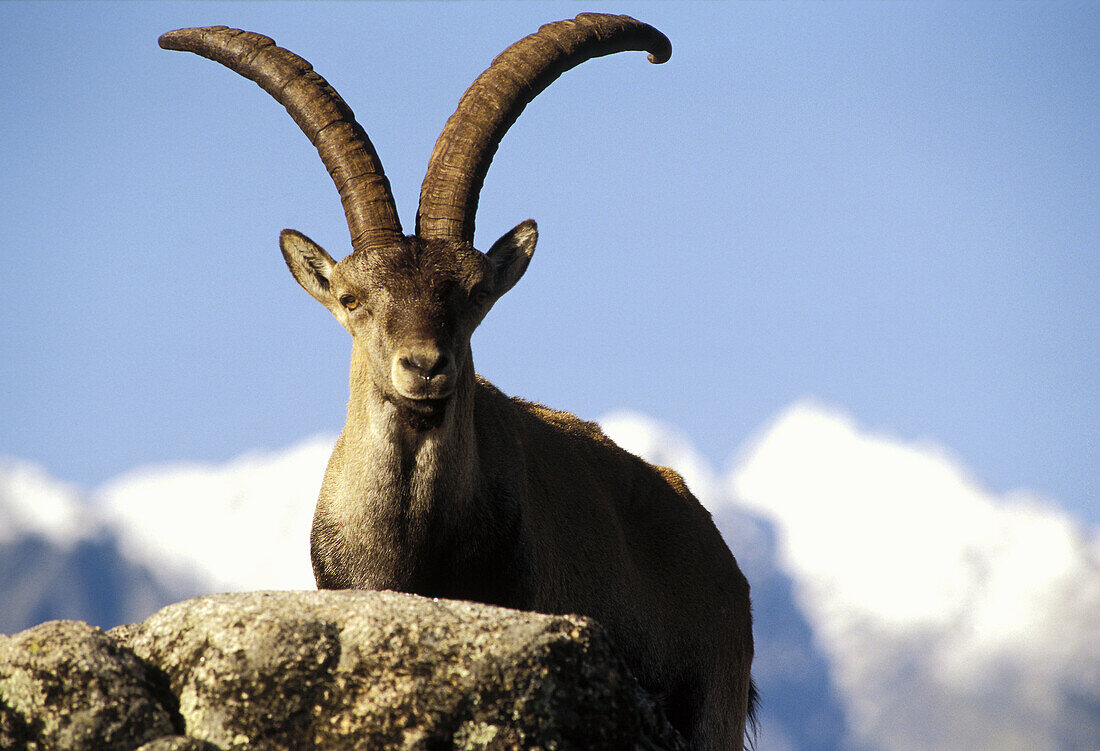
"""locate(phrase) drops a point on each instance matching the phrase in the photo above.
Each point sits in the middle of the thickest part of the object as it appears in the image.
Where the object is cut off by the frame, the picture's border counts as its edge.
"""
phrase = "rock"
(67, 685)
(178, 743)
(355, 670)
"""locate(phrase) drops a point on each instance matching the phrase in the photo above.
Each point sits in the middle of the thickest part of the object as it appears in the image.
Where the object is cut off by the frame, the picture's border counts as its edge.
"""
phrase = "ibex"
(439, 484)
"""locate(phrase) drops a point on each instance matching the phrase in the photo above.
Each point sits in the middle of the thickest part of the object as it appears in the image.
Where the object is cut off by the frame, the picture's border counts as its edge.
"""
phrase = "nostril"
(425, 364)
(440, 365)
(413, 364)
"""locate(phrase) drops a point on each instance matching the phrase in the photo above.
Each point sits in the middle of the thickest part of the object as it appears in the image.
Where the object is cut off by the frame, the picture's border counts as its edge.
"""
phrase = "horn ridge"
(465, 148)
(320, 112)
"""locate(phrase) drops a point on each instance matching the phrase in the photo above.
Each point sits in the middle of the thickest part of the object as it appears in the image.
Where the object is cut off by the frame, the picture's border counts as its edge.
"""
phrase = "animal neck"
(414, 511)
(392, 494)
(430, 473)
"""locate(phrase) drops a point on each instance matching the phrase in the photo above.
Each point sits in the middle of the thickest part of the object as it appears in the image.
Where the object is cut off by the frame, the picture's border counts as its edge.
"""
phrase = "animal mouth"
(421, 414)
(425, 406)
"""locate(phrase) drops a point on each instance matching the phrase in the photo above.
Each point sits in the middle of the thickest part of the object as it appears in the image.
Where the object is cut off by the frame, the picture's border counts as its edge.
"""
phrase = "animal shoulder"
(588, 439)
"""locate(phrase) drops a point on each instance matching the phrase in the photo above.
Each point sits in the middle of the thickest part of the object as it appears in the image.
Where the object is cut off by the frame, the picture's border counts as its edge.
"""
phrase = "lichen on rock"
(346, 670)
(67, 685)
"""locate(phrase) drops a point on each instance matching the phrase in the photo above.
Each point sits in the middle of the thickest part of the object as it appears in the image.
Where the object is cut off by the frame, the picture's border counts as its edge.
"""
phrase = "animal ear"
(511, 254)
(309, 263)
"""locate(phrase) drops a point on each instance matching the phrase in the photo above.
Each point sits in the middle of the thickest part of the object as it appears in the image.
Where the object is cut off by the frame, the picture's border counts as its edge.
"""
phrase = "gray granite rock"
(178, 743)
(67, 685)
(380, 670)
(326, 670)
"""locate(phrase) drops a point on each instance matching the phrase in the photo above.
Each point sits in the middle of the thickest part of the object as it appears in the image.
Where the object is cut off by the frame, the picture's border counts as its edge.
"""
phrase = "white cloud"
(953, 618)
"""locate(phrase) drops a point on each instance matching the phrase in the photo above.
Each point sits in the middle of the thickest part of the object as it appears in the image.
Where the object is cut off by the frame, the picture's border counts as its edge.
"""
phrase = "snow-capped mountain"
(33, 504)
(898, 605)
(240, 526)
(58, 559)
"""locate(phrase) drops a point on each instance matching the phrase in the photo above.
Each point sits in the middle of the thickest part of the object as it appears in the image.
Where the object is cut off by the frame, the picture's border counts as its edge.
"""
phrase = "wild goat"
(439, 484)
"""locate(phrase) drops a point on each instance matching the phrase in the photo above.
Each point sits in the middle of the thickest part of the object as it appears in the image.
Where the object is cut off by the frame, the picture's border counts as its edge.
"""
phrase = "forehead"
(416, 265)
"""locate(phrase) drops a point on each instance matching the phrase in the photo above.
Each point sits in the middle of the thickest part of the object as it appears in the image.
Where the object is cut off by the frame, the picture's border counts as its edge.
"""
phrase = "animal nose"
(426, 362)
(424, 370)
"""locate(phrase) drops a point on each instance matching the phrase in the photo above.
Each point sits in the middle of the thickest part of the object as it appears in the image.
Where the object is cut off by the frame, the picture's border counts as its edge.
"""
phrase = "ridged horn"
(461, 157)
(322, 115)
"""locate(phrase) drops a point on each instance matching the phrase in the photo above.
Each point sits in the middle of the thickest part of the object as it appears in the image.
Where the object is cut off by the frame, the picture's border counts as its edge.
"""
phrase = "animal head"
(412, 302)
(412, 306)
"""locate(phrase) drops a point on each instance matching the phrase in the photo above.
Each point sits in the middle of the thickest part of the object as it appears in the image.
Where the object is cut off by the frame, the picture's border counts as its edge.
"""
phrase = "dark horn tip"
(178, 39)
(656, 43)
(661, 58)
(169, 40)
(661, 50)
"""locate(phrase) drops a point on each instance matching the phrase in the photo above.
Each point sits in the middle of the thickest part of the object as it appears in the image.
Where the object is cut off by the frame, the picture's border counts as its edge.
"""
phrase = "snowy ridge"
(59, 559)
(34, 504)
(239, 526)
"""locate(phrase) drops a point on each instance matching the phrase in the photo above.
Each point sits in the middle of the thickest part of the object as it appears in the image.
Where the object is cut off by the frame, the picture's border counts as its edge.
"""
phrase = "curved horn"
(461, 157)
(319, 111)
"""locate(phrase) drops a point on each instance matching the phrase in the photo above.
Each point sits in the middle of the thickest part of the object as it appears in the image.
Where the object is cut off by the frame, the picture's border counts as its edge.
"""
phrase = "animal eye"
(480, 296)
(351, 302)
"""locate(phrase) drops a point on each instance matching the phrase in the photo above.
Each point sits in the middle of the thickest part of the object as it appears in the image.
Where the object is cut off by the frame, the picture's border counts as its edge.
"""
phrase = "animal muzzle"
(423, 371)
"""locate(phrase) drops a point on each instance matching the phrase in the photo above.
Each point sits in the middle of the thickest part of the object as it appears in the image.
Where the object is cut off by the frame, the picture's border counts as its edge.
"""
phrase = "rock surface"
(342, 670)
(67, 685)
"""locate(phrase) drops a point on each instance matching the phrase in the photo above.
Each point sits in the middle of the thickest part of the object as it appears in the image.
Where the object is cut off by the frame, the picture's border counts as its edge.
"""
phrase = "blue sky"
(890, 207)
